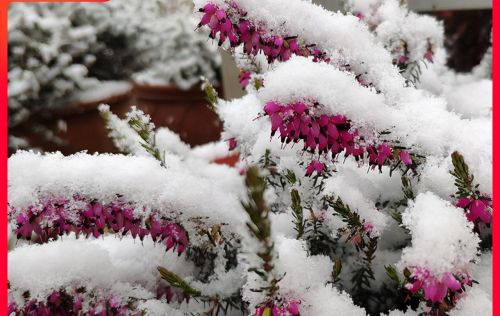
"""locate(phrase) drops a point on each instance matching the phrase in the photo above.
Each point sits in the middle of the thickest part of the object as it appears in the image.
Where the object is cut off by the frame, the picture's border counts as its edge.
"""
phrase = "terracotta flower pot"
(78, 126)
(185, 112)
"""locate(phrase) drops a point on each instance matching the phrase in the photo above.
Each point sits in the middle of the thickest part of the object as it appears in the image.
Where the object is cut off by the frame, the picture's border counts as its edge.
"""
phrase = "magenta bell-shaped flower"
(231, 142)
(315, 165)
(479, 209)
(404, 156)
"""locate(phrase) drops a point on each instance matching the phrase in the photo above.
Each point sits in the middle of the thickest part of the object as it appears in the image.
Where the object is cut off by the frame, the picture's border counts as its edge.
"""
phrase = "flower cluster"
(436, 289)
(289, 308)
(406, 46)
(476, 208)
(326, 133)
(59, 216)
(468, 196)
(315, 165)
(62, 303)
(232, 26)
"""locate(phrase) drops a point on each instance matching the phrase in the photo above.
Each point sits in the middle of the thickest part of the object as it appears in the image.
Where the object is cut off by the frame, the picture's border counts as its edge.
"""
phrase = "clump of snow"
(472, 99)
(95, 264)
(326, 299)
(305, 272)
(442, 237)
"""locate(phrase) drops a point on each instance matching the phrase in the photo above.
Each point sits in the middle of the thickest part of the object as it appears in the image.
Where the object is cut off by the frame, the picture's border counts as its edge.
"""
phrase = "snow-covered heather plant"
(354, 193)
(411, 38)
(48, 57)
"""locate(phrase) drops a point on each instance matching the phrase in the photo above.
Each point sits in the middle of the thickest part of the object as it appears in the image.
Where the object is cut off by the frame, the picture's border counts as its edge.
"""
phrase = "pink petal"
(405, 157)
(463, 202)
(450, 281)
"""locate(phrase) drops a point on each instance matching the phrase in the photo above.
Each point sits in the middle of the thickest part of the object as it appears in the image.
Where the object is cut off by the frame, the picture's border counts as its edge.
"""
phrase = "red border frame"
(496, 156)
(4, 134)
(3, 158)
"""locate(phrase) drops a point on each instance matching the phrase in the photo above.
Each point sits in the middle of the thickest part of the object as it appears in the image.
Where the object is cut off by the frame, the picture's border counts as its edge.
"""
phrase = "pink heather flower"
(323, 134)
(92, 220)
(77, 303)
(451, 282)
(479, 209)
(368, 228)
(429, 56)
(12, 308)
(405, 157)
(113, 302)
(384, 152)
(463, 202)
(231, 142)
(244, 78)
(54, 297)
(239, 31)
(315, 165)
(435, 290)
(276, 311)
(403, 59)
(287, 309)
(360, 15)
(293, 308)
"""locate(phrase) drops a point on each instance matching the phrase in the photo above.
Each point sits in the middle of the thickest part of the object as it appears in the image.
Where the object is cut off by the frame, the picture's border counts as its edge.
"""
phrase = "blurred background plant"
(63, 55)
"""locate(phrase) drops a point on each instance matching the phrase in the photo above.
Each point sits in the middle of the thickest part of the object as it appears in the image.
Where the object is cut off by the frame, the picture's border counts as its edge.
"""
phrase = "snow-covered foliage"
(353, 193)
(181, 56)
(411, 38)
(49, 57)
